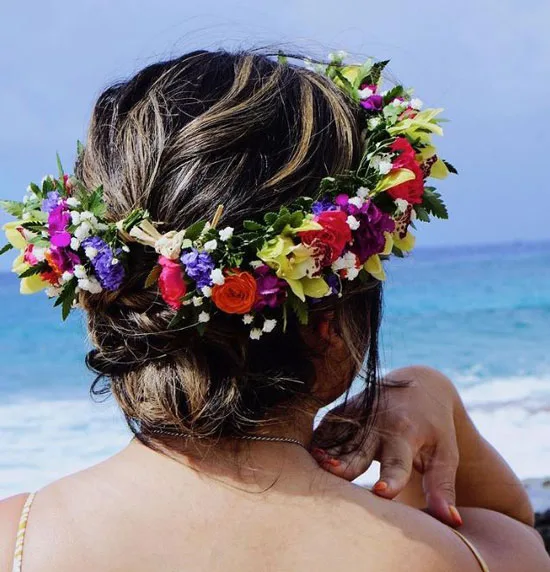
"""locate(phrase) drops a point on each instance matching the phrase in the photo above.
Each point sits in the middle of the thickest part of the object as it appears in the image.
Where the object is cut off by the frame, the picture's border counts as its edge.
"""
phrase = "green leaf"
(270, 218)
(153, 276)
(422, 213)
(252, 225)
(176, 319)
(6, 248)
(36, 189)
(433, 204)
(14, 208)
(33, 270)
(396, 91)
(397, 252)
(299, 308)
(296, 219)
(69, 295)
(79, 149)
(47, 186)
(59, 167)
(281, 222)
(195, 230)
(377, 70)
(452, 168)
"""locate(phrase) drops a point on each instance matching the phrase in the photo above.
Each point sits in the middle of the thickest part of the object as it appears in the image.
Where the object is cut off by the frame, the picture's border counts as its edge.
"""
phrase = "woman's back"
(142, 512)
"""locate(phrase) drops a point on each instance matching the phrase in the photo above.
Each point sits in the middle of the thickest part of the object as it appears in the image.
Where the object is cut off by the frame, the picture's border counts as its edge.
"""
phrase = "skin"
(272, 506)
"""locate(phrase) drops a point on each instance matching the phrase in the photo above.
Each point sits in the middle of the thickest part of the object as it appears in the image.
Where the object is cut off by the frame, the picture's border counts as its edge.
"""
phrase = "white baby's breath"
(365, 93)
(217, 276)
(211, 245)
(353, 223)
(363, 192)
(204, 317)
(73, 202)
(269, 326)
(91, 252)
(197, 301)
(248, 319)
(206, 291)
(356, 202)
(80, 271)
(255, 334)
(401, 205)
(416, 103)
(75, 243)
(226, 233)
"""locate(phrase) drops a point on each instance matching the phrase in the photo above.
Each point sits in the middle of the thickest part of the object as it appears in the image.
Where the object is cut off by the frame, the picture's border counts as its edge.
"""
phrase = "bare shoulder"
(10, 514)
(403, 537)
(422, 544)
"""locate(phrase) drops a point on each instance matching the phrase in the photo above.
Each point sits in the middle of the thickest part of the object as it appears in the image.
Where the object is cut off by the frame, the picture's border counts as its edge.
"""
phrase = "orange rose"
(237, 294)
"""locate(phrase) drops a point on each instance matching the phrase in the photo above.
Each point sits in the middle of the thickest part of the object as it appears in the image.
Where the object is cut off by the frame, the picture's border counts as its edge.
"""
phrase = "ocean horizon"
(480, 313)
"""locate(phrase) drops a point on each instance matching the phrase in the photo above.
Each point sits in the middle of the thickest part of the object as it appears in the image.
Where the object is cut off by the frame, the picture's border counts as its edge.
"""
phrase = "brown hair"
(178, 139)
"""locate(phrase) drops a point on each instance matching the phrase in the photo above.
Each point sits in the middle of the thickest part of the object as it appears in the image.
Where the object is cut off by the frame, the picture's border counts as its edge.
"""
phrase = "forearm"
(484, 479)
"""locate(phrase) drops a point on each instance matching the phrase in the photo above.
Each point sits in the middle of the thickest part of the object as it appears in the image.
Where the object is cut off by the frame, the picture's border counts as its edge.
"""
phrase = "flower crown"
(284, 261)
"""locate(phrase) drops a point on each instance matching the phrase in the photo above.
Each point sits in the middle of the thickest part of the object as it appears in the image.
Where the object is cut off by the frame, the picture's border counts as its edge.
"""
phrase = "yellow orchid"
(420, 127)
(294, 264)
(15, 238)
(438, 170)
(405, 244)
(396, 177)
(374, 267)
(30, 284)
(374, 264)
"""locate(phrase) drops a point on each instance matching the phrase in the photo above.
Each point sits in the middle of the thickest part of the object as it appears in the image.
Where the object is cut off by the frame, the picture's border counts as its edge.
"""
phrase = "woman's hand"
(414, 428)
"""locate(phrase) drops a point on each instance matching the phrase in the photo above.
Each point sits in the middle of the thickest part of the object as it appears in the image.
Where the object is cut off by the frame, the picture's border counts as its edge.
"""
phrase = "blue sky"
(486, 61)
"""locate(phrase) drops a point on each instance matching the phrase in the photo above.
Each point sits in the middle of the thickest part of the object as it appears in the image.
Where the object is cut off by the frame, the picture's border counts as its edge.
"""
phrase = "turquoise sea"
(479, 313)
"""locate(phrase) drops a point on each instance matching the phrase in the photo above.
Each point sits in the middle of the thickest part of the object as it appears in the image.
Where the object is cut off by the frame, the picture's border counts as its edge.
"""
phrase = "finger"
(348, 466)
(396, 463)
(439, 484)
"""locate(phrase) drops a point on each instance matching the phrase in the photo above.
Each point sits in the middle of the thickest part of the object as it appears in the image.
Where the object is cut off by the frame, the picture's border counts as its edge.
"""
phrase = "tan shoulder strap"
(474, 550)
(20, 539)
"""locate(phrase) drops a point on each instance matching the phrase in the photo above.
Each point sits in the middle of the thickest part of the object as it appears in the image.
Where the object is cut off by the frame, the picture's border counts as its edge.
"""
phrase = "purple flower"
(198, 266)
(109, 273)
(58, 221)
(334, 283)
(369, 238)
(271, 290)
(63, 259)
(373, 103)
(322, 205)
(51, 201)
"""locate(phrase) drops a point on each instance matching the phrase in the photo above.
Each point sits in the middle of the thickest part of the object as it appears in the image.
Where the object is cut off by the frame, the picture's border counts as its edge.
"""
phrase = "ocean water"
(481, 314)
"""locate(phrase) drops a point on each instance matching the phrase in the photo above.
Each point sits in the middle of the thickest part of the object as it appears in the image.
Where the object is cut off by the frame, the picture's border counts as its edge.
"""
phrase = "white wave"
(44, 440)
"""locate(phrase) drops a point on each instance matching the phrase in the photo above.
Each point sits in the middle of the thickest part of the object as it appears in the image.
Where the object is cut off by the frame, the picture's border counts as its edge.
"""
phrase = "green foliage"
(6, 248)
(59, 167)
(34, 270)
(153, 276)
(195, 230)
(452, 168)
(298, 307)
(397, 252)
(68, 295)
(377, 69)
(433, 203)
(252, 225)
(14, 208)
(422, 213)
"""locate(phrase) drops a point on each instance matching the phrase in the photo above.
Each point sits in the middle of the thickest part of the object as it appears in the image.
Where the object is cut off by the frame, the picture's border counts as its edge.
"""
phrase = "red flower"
(171, 282)
(412, 190)
(331, 240)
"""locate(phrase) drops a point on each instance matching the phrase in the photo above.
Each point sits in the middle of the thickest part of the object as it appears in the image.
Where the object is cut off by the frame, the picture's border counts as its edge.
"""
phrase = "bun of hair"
(178, 139)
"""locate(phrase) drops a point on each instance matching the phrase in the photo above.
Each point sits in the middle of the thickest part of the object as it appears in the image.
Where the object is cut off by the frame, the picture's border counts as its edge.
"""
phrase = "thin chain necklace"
(242, 438)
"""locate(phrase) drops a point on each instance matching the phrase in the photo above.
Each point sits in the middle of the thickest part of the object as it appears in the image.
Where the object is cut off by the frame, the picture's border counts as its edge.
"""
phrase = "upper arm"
(10, 513)
(506, 544)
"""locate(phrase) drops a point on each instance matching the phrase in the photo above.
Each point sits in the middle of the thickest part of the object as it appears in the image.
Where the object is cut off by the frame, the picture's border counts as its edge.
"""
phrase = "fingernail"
(380, 487)
(455, 515)
(333, 462)
(321, 453)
